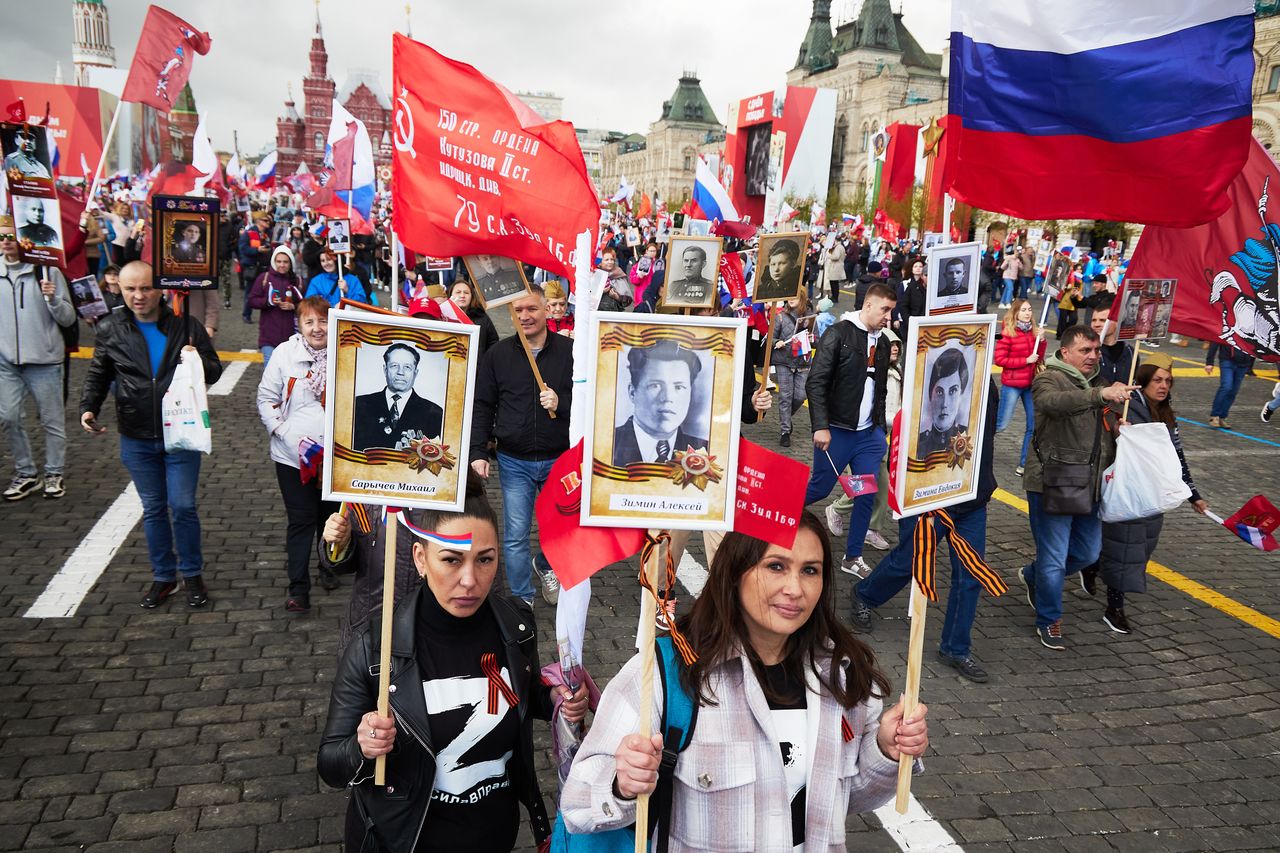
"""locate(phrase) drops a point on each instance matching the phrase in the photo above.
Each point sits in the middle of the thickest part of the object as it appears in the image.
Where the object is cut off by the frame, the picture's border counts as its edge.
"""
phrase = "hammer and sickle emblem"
(403, 137)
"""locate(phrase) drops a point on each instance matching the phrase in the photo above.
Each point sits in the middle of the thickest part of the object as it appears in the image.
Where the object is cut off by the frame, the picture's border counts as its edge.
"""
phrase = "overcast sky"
(613, 63)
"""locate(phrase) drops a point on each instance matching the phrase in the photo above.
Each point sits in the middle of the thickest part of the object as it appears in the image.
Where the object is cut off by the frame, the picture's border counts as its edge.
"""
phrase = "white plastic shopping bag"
(1146, 478)
(185, 409)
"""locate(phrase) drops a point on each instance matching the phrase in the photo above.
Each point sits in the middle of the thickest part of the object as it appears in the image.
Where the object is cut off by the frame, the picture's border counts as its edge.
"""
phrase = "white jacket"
(285, 402)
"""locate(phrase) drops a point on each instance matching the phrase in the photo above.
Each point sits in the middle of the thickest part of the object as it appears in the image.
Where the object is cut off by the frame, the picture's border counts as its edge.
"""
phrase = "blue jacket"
(250, 258)
(326, 284)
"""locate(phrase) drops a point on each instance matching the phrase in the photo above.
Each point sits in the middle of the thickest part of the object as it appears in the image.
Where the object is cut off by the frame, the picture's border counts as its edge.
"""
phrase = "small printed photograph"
(499, 280)
(1146, 309)
(693, 265)
(86, 296)
(633, 237)
(952, 279)
(666, 405)
(780, 266)
(187, 240)
(38, 221)
(339, 236)
(26, 155)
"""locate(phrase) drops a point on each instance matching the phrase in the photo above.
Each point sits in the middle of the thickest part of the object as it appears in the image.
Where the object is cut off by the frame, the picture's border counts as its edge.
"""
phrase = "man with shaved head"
(138, 350)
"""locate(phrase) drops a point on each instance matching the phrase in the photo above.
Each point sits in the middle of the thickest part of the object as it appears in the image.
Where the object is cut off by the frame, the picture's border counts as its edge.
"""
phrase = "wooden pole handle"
(911, 694)
(768, 350)
(528, 353)
(1133, 368)
(384, 660)
(645, 640)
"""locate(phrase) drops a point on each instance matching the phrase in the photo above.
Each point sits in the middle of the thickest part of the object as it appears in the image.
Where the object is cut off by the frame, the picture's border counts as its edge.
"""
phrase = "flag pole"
(645, 641)
(395, 272)
(768, 350)
(1133, 367)
(390, 527)
(102, 158)
(911, 695)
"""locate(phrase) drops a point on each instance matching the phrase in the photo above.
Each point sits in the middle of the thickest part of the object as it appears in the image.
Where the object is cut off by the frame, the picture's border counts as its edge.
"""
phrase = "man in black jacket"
(510, 407)
(138, 350)
(894, 572)
(846, 388)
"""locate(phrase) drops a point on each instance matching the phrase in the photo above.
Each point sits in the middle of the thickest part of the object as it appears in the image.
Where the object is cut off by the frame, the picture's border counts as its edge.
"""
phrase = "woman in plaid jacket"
(789, 735)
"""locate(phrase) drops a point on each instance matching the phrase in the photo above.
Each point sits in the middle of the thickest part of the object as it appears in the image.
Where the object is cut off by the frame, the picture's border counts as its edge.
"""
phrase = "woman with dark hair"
(461, 294)
(464, 693)
(1128, 545)
(788, 716)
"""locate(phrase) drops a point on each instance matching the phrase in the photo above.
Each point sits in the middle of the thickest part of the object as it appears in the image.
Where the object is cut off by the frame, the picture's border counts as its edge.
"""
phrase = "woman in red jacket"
(1019, 351)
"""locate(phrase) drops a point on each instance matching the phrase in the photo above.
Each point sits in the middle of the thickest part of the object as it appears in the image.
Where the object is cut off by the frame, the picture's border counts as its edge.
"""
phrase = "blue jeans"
(44, 383)
(1009, 398)
(1024, 286)
(1232, 375)
(1006, 296)
(1065, 544)
(266, 355)
(861, 451)
(894, 572)
(521, 480)
(166, 483)
(1274, 402)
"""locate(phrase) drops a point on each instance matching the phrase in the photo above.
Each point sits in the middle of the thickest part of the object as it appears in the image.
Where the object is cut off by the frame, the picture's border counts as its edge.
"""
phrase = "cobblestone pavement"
(132, 730)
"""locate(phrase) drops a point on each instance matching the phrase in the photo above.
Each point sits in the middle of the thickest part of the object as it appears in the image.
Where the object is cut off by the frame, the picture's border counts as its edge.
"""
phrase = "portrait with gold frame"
(661, 448)
(185, 242)
(398, 438)
(944, 400)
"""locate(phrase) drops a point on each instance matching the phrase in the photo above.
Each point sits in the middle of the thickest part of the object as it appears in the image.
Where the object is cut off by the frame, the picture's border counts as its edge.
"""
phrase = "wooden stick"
(102, 158)
(333, 547)
(1133, 367)
(384, 660)
(911, 695)
(768, 350)
(645, 640)
(528, 353)
(395, 274)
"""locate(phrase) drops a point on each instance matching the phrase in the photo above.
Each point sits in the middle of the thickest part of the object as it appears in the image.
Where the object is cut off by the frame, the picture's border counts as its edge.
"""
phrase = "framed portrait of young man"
(780, 266)
(497, 280)
(398, 412)
(184, 245)
(951, 285)
(693, 267)
(662, 443)
(338, 236)
(944, 396)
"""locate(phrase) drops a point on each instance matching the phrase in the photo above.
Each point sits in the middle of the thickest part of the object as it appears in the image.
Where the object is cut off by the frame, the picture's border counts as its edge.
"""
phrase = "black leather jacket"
(120, 355)
(390, 817)
(838, 376)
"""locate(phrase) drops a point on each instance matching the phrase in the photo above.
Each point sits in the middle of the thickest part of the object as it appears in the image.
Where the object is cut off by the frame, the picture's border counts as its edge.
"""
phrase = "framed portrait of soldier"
(398, 410)
(662, 444)
(498, 280)
(1057, 273)
(338, 236)
(693, 266)
(951, 285)
(633, 237)
(1146, 306)
(184, 244)
(780, 266)
(945, 388)
(26, 162)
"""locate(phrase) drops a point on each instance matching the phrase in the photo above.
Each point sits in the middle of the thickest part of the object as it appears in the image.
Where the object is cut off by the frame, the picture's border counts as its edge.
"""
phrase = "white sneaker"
(875, 540)
(834, 522)
(550, 586)
(855, 566)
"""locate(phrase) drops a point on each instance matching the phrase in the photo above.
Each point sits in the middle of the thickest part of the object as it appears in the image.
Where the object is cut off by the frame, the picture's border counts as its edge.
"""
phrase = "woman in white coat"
(291, 398)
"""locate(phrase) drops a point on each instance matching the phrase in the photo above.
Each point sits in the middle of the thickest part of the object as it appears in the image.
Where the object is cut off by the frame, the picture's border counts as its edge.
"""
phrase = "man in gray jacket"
(1076, 413)
(34, 303)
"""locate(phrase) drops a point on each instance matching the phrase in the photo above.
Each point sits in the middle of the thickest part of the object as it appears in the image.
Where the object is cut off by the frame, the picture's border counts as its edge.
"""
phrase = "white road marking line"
(916, 830)
(227, 382)
(66, 589)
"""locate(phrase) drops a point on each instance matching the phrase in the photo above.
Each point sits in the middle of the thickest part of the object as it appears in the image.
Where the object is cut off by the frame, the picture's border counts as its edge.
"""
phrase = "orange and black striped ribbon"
(360, 513)
(923, 563)
(489, 666)
(687, 654)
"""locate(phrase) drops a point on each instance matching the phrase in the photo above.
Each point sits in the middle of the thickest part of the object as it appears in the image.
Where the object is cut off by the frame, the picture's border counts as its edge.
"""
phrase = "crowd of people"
(767, 635)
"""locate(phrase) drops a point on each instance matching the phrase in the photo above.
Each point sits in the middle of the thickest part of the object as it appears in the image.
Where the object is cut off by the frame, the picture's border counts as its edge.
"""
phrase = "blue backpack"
(679, 715)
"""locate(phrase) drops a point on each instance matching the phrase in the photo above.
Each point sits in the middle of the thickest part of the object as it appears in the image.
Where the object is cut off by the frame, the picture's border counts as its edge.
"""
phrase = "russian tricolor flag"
(710, 201)
(1129, 110)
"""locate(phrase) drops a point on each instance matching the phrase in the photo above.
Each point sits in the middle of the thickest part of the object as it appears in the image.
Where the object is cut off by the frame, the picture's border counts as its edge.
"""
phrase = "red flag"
(1226, 269)
(740, 230)
(899, 173)
(16, 113)
(162, 60)
(646, 205)
(1255, 523)
(732, 273)
(770, 494)
(576, 552)
(474, 170)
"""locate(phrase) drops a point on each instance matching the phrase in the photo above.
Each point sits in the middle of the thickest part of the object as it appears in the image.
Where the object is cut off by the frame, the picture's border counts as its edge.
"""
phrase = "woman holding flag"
(789, 718)
(455, 781)
(291, 398)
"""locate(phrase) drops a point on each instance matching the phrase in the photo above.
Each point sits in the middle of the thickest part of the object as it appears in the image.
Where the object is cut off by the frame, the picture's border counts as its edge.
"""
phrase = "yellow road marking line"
(1183, 584)
(87, 352)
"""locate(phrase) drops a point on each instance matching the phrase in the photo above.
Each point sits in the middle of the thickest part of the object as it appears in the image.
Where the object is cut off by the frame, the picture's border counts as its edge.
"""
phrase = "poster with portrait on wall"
(184, 243)
(951, 283)
(663, 442)
(693, 265)
(398, 413)
(944, 394)
(780, 266)
(498, 280)
(338, 236)
(1145, 309)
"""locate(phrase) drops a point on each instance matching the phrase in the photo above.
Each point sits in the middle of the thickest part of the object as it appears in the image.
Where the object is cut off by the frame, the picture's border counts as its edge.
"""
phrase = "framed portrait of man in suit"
(944, 395)
(663, 441)
(398, 413)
